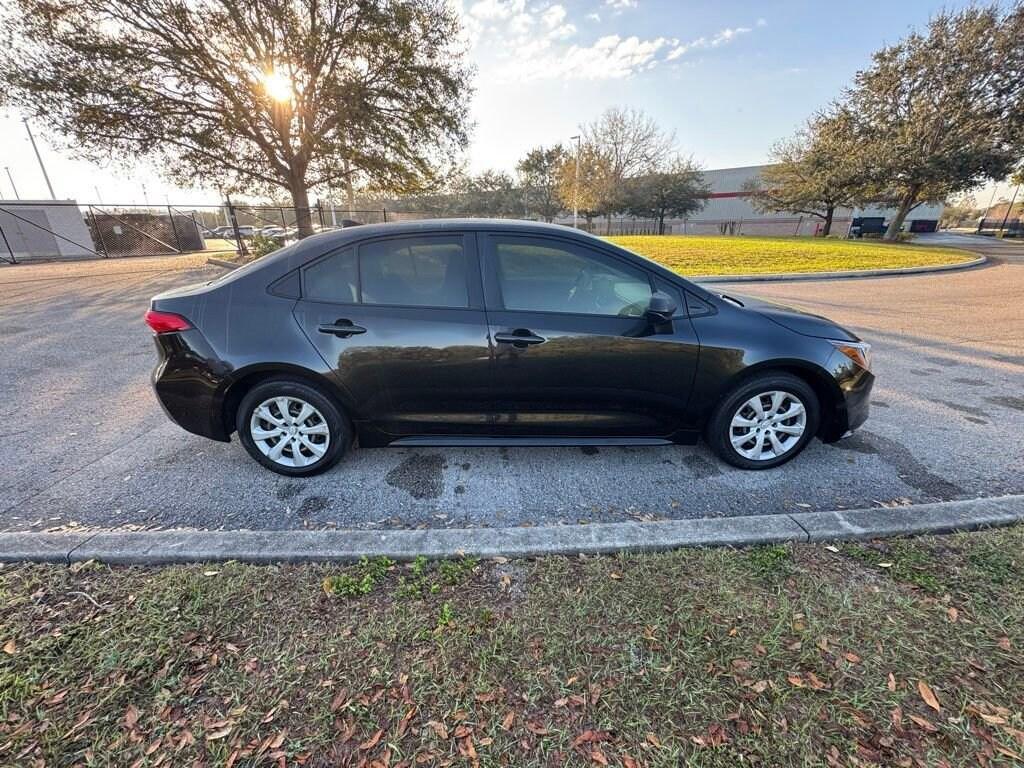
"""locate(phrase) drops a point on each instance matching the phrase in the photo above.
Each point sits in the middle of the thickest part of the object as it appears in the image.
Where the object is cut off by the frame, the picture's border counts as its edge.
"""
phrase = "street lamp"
(39, 157)
(11, 179)
(576, 184)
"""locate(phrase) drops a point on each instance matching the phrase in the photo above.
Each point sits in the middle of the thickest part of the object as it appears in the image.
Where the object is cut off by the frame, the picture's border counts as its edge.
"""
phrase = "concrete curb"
(163, 547)
(222, 263)
(849, 275)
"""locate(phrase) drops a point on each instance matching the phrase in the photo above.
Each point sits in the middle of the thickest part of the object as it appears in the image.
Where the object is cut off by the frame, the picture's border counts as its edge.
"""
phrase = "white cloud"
(594, 17)
(554, 16)
(621, 4)
(496, 10)
(610, 57)
(720, 38)
(762, 22)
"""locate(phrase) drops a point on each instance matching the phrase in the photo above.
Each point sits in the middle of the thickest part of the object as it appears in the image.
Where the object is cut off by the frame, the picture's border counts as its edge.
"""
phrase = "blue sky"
(729, 77)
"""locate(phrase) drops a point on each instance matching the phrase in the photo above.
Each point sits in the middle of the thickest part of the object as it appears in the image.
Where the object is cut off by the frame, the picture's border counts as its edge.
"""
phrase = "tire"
(312, 445)
(736, 417)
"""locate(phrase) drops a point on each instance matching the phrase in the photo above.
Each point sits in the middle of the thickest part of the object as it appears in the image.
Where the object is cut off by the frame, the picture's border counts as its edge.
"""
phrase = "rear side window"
(414, 272)
(334, 279)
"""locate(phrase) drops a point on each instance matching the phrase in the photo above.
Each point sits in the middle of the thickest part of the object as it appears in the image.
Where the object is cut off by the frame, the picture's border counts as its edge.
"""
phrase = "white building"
(729, 211)
(43, 229)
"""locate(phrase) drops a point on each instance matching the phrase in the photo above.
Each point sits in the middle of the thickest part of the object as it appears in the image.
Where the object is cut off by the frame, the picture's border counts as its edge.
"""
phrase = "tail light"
(166, 322)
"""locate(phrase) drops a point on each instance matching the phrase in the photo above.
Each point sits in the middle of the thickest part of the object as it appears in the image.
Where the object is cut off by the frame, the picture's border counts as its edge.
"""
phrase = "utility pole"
(39, 157)
(1009, 208)
(11, 179)
(576, 184)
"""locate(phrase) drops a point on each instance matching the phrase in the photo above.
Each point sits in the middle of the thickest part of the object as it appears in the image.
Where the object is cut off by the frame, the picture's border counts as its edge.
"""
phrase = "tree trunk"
(300, 199)
(908, 202)
(827, 229)
(661, 223)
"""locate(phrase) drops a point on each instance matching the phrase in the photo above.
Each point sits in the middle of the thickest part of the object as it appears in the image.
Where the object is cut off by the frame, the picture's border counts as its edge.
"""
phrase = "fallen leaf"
(439, 729)
(928, 695)
(508, 720)
(653, 740)
(1004, 643)
(923, 723)
(853, 658)
(371, 742)
(219, 734)
(891, 682)
(885, 565)
(10, 647)
(598, 757)
(953, 614)
(796, 680)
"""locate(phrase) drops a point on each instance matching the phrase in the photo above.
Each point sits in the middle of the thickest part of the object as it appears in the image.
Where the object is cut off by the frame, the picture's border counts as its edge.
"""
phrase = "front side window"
(415, 272)
(538, 275)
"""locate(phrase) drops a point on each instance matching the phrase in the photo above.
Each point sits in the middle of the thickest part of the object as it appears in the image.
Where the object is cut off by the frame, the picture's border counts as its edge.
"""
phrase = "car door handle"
(341, 328)
(519, 337)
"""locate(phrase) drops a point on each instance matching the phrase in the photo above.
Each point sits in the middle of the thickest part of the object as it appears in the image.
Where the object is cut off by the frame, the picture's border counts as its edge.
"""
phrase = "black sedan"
(476, 332)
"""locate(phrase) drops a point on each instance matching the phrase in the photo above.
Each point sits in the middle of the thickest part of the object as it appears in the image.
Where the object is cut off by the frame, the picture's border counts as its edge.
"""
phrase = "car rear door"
(400, 321)
(574, 354)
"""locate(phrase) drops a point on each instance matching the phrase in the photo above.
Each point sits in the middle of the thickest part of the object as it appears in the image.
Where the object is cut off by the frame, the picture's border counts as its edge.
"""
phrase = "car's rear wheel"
(292, 428)
(764, 421)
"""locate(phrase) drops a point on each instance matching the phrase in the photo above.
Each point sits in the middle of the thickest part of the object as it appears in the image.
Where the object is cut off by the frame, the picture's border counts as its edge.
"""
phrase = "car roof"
(414, 226)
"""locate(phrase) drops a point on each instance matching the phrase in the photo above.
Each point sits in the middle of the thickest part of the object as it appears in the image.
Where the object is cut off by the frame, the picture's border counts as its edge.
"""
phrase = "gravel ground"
(84, 442)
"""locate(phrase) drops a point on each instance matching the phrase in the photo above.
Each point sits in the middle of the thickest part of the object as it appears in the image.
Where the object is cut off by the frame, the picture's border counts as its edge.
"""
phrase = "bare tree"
(292, 94)
(630, 143)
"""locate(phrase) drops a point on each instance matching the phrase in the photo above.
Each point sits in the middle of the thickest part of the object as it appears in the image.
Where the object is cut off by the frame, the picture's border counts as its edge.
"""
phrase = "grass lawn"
(898, 653)
(701, 256)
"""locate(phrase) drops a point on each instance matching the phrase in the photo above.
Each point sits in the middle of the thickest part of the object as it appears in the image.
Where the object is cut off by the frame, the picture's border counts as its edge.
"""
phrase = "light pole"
(39, 157)
(11, 179)
(576, 184)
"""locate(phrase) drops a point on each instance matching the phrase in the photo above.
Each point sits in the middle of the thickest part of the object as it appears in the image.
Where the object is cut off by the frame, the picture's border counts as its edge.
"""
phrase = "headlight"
(858, 351)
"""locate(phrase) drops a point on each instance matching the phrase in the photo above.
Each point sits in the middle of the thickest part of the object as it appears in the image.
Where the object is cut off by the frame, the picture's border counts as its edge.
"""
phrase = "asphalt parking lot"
(83, 442)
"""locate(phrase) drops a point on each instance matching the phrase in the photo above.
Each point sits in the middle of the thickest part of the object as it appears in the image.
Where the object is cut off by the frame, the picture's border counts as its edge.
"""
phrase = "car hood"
(795, 320)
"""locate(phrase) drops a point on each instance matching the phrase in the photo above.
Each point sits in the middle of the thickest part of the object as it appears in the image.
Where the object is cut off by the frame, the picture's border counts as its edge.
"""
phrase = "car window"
(537, 275)
(414, 271)
(334, 279)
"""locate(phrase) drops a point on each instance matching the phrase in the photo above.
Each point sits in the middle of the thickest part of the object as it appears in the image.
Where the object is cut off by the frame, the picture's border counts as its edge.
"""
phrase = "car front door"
(574, 353)
(400, 321)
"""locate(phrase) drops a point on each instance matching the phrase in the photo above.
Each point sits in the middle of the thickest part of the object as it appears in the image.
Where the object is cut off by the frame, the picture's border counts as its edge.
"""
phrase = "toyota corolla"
(476, 332)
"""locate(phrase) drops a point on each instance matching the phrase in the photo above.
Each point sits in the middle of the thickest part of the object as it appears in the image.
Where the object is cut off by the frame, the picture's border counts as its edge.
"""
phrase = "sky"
(728, 77)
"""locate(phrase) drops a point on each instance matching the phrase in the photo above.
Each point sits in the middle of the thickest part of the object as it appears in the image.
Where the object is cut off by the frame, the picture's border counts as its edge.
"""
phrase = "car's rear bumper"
(188, 386)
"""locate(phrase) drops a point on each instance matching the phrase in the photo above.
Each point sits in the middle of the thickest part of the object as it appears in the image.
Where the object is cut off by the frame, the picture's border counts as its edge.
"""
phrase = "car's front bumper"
(854, 402)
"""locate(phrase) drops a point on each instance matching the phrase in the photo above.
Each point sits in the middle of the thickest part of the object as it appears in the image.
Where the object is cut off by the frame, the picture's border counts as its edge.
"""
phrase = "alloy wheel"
(768, 425)
(289, 431)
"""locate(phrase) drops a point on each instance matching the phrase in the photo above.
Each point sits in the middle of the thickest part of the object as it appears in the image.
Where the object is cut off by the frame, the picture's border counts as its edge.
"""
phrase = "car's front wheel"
(292, 428)
(764, 421)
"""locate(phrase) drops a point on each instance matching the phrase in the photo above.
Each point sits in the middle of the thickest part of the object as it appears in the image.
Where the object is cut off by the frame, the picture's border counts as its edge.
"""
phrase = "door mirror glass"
(661, 307)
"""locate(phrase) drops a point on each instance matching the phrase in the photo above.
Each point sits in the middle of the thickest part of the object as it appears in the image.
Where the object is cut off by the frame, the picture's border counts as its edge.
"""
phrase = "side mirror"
(661, 308)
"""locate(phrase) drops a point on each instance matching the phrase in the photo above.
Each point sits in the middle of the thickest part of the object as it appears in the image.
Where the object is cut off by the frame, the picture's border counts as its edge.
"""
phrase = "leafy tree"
(595, 187)
(815, 172)
(676, 190)
(292, 94)
(629, 143)
(490, 194)
(941, 111)
(538, 176)
(957, 212)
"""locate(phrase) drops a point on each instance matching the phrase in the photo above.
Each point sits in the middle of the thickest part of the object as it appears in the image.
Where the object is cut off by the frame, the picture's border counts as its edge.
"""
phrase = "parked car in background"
(272, 232)
(476, 332)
